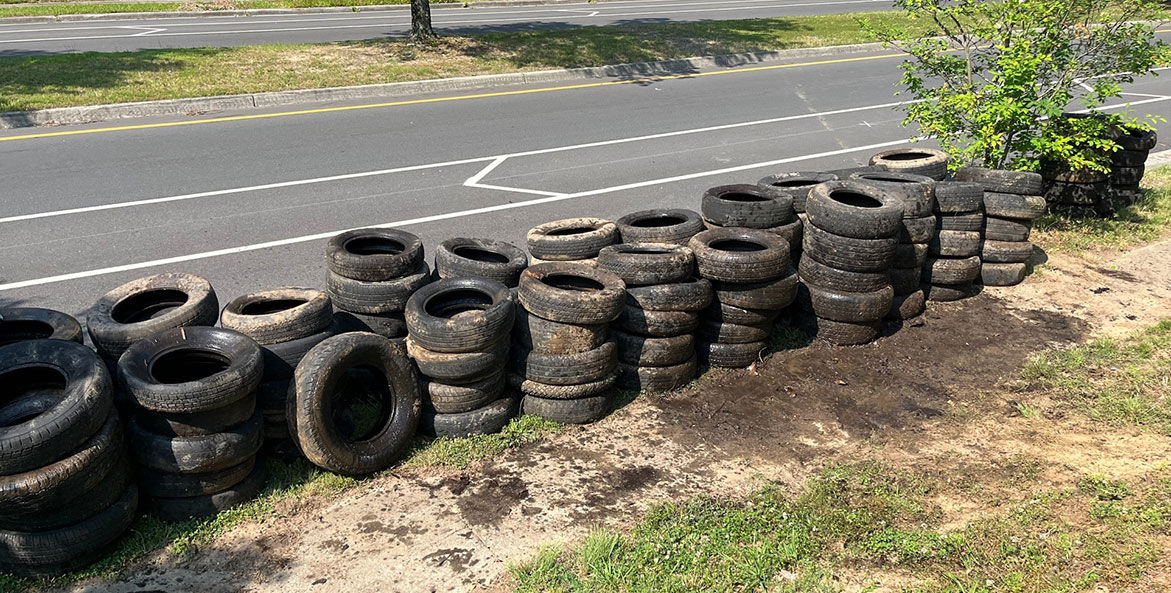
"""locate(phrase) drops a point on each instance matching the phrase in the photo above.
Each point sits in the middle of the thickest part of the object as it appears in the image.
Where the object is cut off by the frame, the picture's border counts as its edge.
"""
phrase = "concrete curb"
(97, 113)
(1158, 159)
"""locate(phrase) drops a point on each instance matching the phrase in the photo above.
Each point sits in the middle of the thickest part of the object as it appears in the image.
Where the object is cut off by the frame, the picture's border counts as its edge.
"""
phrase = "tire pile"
(1129, 165)
(763, 206)
(372, 273)
(796, 185)
(571, 240)
(1011, 202)
(1101, 192)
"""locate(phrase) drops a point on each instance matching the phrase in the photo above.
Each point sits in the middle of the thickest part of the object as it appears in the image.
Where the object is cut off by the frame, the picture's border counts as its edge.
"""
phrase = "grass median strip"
(42, 82)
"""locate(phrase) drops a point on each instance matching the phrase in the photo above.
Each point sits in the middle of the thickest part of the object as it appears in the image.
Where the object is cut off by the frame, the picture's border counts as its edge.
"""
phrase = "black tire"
(773, 294)
(958, 197)
(565, 369)
(1051, 171)
(917, 230)
(657, 379)
(847, 253)
(647, 263)
(906, 280)
(571, 293)
(388, 325)
(748, 206)
(846, 172)
(1006, 252)
(460, 314)
(653, 352)
(568, 411)
(383, 296)
(854, 209)
(280, 360)
(162, 484)
(838, 333)
(481, 258)
(1129, 158)
(962, 222)
(192, 369)
(21, 324)
(555, 337)
(956, 243)
(445, 398)
(829, 278)
(546, 391)
(909, 255)
(740, 315)
(729, 356)
(690, 294)
(374, 255)
(82, 390)
(109, 487)
(1007, 274)
(571, 239)
(852, 307)
(319, 384)
(710, 330)
(488, 419)
(1136, 139)
(951, 270)
(673, 226)
(797, 185)
(1119, 177)
(197, 454)
(461, 367)
(278, 315)
(792, 232)
(1013, 206)
(917, 192)
(1076, 194)
(198, 423)
(1005, 182)
(945, 293)
(657, 323)
(55, 552)
(207, 505)
(908, 306)
(1003, 229)
(740, 255)
(146, 306)
(919, 161)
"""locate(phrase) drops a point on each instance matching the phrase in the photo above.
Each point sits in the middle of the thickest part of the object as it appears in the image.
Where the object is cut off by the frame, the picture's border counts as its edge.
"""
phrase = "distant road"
(228, 31)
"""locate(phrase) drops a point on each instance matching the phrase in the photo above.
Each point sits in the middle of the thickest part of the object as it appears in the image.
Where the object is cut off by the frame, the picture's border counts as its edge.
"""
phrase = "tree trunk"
(421, 21)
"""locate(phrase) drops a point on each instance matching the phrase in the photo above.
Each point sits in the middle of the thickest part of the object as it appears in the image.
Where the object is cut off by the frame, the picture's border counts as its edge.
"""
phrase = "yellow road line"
(439, 99)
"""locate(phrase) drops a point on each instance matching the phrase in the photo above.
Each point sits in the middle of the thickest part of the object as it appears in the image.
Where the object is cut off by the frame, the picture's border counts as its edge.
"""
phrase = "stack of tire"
(673, 226)
(917, 161)
(1129, 164)
(752, 281)
(1011, 203)
(953, 263)
(459, 337)
(464, 257)
(197, 431)
(66, 491)
(287, 323)
(849, 247)
(765, 206)
(372, 273)
(656, 346)
(917, 237)
(1077, 191)
(570, 240)
(564, 361)
(797, 185)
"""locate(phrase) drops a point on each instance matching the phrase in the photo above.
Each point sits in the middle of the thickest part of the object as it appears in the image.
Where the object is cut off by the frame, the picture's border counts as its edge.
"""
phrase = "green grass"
(96, 78)
(461, 453)
(1146, 221)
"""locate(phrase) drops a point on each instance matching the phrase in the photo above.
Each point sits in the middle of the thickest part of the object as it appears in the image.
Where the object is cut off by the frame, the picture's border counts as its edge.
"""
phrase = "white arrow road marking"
(146, 31)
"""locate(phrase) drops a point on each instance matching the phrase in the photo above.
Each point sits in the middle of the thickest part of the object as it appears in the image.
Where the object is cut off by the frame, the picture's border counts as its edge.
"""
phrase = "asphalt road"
(249, 203)
(221, 31)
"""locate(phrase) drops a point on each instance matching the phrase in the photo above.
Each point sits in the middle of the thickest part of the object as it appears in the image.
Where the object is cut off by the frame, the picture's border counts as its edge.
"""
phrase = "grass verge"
(96, 78)
(1145, 221)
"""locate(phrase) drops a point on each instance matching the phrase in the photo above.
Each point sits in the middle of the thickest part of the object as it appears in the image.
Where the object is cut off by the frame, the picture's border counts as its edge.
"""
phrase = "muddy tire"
(568, 411)
(909, 255)
(838, 333)
(657, 323)
(919, 161)
(555, 337)
(374, 255)
(480, 258)
(196, 454)
(280, 360)
(854, 209)
(1076, 194)
(946, 293)
(446, 398)
(143, 307)
(1003, 229)
(956, 244)
(962, 223)
(906, 280)
(278, 315)
(773, 294)
(546, 391)
(917, 192)
(673, 226)
(847, 253)
(1135, 139)
(951, 270)
(22, 324)
(791, 232)
(797, 185)
(731, 333)
(740, 255)
(852, 307)
(388, 325)
(1013, 206)
(488, 419)
(1002, 274)
(958, 197)
(1006, 182)
(691, 294)
(653, 352)
(1119, 177)
(458, 367)
(647, 263)
(657, 379)
(1006, 252)
(917, 230)
(460, 315)
(565, 369)
(729, 356)
(194, 369)
(198, 423)
(747, 206)
(908, 306)
(374, 297)
(155, 483)
(830, 278)
(207, 505)
(571, 239)
(1129, 158)
(1051, 171)
(740, 315)
(571, 293)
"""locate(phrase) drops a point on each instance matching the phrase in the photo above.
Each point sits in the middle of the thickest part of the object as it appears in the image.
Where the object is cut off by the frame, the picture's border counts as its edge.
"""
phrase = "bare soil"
(934, 396)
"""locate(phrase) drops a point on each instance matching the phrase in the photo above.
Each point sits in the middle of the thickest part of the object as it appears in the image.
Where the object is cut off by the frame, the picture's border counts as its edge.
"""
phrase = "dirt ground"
(931, 397)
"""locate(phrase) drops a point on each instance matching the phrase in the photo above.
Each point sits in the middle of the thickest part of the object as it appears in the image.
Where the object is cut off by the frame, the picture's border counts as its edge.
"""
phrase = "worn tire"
(554, 337)
(458, 367)
(771, 295)
(1008, 274)
(571, 293)
(657, 323)
(722, 332)
(460, 315)
(855, 209)
(1003, 229)
(1135, 139)
(374, 255)
(919, 161)
(909, 255)
(568, 411)
(653, 352)
(796, 184)
(207, 505)
(488, 419)
(280, 360)
(729, 356)
(962, 222)
(647, 263)
(480, 258)
(22, 324)
(690, 294)
(388, 325)
(565, 369)
(673, 226)
(657, 379)
(792, 232)
(1005, 182)
(906, 280)
(951, 270)
(830, 278)
(279, 314)
(739, 315)
(847, 253)
(1013, 206)
(748, 206)
(544, 390)
(444, 398)
(1076, 194)
(1006, 252)
(958, 197)
(167, 485)
(384, 296)
(917, 192)
(143, 307)
(908, 306)
(571, 238)
(192, 369)
(198, 423)
(945, 293)
(196, 454)
(1060, 172)
(917, 230)
(1129, 158)
(740, 255)
(838, 333)
(956, 243)
(1119, 177)
(852, 307)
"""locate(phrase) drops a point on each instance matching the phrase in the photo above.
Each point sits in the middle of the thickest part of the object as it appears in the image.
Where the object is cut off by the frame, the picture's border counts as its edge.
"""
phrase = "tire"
(740, 255)
(771, 295)
(445, 398)
(671, 226)
(739, 315)
(198, 454)
(855, 209)
(1060, 172)
(315, 431)
(729, 356)
(909, 255)
(792, 232)
(1136, 139)
(198, 423)
(1008, 274)
(374, 297)
(388, 325)
(657, 379)
(83, 504)
(565, 369)
(918, 230)
(591, 262)
(280, 360)
(82, 389)
(207, 505)
(55, 552)
(462, 367)
(653, 352)
(22, 324)
(1006, 182)
(748, 206)
(919, 161)
(710, 330)
(165, 485)
(568, 411)
(481, 258)
(917, 192)
(828, 278)
(143, 307)
(1003, 229)
(905, 280)
(278, 315)
(374, 255)
(571, 239)
(958, 197)
(193, 369)
(546, 391)
(848, 171)
(488, 419)
(1119, 177)
(797, 185)
(838, 333)
(1013, 206)
(553, 337)
(273, 396)
(460, 315)
(690, 294)
(944, 293)
(1076, 194)
(956, 244)
(962, 222)
(849, 254)
(657, 323)
(851, 307)
(951, 270)
(1129, 158)
(571, 293)
(908, 306)
(648, 263)
(1006, 252)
